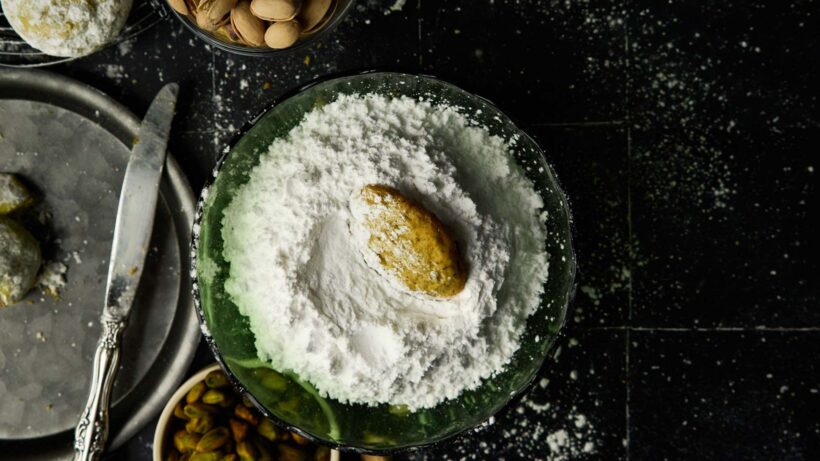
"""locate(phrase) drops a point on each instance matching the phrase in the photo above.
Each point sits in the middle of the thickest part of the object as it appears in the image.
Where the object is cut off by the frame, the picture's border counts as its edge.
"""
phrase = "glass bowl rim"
(223, 156)
(262, 52)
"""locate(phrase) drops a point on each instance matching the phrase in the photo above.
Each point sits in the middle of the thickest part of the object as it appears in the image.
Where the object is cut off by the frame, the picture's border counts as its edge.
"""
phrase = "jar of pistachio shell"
(260, 27)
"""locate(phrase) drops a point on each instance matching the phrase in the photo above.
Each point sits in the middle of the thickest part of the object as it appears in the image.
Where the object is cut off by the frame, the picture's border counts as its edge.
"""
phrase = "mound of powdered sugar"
(299, 270)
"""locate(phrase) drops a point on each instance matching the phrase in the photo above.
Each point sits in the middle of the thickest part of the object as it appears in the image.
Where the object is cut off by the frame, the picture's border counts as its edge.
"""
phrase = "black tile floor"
(576, 408)
(724, 395)
(687, 136)
(592, 165)
(553, 61)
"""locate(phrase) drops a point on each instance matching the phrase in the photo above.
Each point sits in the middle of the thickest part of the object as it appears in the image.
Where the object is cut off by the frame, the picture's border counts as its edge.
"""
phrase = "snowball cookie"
(14, 195)
(68, 28)
(19, 261)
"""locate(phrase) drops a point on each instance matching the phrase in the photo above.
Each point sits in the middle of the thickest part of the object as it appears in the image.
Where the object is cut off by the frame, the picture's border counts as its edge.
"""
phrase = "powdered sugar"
(315, 305)
(52, 277)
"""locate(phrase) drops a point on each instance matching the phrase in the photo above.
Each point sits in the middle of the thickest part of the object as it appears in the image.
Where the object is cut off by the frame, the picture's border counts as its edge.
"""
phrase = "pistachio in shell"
(282, 34)
(179, 6)
(224, 33)
(248, 28)
(275, 10)
(219, 11)
(313, 13)
(201, 20)
(192, 6)
(330, 12)
(212, 14)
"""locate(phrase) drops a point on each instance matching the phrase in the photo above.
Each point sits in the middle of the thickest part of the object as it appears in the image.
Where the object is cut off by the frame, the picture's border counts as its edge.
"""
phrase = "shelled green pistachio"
(213, 423)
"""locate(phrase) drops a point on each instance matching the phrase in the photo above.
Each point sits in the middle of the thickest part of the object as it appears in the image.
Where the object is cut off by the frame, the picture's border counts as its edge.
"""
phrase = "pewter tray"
(71, 143)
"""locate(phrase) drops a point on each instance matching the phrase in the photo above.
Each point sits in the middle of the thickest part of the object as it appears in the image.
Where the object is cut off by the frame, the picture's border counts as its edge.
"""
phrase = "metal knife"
(132, 236)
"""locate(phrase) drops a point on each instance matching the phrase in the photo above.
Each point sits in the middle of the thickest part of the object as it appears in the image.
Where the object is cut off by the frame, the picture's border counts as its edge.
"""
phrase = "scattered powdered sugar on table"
(570, 442)
(52, 277)
(396, 6)
(318, 309)
(531, 431)
(568, 434)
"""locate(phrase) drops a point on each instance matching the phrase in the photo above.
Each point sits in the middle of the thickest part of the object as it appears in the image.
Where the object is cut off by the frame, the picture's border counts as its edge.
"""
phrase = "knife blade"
(138, 201)
(132, 236)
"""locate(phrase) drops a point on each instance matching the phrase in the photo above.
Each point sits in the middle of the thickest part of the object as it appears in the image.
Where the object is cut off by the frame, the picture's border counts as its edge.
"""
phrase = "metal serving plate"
(71, 143)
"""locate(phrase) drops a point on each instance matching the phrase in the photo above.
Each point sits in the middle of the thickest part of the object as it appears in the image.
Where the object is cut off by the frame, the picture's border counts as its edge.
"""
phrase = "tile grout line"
(760, 329)
(580, 124)
(630, 243)
(418, 12)
(627, 440)
(213, 98)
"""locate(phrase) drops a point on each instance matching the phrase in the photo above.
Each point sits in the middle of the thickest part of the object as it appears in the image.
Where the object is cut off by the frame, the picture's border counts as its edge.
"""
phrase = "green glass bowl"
(296, 404)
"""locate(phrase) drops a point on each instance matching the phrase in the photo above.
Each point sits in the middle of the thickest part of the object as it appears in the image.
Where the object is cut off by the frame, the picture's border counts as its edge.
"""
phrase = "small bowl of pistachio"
(260, 27)
(207, 420)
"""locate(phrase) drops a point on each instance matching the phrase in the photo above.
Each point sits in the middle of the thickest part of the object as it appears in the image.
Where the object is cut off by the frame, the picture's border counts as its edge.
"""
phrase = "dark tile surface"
(725, 395)
(724, 147)
(747, 255)
(196, 152)
(591, 163)
(135, 70)
(575, 409)
(686, 135)
(704, 65)
(245, 86)
(543, 61)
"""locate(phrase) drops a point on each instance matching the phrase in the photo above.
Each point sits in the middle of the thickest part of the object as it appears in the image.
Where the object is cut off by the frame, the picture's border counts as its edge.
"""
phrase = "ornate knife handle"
(92, 429)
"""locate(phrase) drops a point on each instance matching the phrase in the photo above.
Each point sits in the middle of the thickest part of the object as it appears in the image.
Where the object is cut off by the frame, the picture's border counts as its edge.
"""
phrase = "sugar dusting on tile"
(536, 431)
(52, 278)
(396, 6)
(544, 424)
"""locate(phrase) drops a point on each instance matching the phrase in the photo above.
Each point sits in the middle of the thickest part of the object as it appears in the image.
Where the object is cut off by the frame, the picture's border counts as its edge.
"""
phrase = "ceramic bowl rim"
(168, 410)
